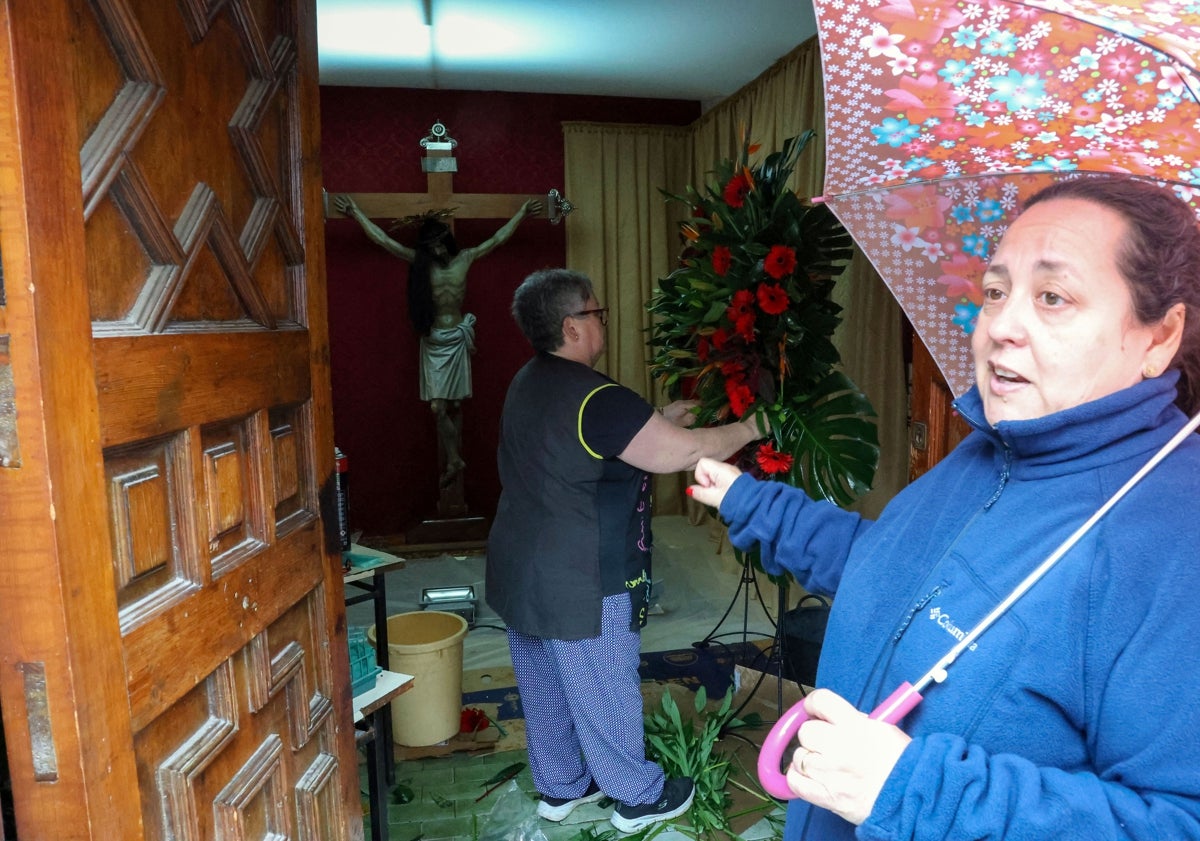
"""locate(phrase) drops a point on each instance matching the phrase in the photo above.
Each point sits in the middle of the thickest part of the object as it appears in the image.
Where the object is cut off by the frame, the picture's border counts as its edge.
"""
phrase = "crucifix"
(439, 268)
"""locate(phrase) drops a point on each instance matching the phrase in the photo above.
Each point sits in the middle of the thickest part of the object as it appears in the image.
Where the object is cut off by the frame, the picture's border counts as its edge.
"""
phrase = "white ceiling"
(675, 49)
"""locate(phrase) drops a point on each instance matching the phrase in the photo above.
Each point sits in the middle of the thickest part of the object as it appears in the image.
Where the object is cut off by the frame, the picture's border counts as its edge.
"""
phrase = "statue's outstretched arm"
(529, 208)
(346, 205)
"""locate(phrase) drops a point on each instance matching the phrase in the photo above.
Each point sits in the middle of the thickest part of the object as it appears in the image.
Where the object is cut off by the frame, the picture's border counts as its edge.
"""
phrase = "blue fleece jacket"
(1075, 716)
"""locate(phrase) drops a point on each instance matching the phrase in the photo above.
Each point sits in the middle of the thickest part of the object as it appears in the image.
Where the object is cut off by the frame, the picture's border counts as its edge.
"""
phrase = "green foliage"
(839, 449)
(745, 324)
(687, 748)
(505, 774)
(590, 833)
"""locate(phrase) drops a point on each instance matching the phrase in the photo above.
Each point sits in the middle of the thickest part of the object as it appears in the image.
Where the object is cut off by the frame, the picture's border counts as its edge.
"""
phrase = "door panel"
(935, 428)
(171, 373)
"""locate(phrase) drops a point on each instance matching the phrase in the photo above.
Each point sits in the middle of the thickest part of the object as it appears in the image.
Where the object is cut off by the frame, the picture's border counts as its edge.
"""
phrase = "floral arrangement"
(746, 323)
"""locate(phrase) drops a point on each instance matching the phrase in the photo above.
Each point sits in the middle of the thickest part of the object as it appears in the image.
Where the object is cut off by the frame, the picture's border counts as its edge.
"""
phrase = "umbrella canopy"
(942, 116)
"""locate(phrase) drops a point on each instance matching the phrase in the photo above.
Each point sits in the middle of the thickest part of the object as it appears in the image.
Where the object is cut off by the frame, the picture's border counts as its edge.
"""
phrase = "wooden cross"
(453, 522)
(439, 196)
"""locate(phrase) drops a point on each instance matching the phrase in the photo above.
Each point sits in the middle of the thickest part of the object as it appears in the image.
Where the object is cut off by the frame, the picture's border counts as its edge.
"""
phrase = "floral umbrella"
(942, 116)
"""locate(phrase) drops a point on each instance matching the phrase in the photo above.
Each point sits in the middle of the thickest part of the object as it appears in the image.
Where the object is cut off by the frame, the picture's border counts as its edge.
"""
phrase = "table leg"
(377, 789)
(383, 720)
(379, 590)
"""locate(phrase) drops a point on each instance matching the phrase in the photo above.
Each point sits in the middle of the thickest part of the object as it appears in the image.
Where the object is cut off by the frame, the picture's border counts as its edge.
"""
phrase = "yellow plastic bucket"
(427, 644)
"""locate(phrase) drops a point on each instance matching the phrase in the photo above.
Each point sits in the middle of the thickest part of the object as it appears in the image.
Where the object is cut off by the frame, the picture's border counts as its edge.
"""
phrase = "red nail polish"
(689, 490)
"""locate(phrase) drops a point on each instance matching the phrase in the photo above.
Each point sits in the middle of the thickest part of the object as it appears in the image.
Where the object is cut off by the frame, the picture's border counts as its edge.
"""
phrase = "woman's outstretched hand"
(713, 479)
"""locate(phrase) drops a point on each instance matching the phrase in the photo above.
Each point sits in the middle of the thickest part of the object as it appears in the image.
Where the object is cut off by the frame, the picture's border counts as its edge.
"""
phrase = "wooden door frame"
(934, 426)
(57, 583)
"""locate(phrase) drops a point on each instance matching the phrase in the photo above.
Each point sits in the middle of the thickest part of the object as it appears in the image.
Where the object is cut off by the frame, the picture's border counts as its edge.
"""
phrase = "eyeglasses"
(600, 312)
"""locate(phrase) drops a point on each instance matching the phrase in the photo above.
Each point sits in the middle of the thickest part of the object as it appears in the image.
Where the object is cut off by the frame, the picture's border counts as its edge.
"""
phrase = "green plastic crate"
(363, 668)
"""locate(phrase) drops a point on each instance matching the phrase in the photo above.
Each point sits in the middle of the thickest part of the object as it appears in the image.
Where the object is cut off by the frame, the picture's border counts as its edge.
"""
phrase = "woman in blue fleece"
(1075, 716)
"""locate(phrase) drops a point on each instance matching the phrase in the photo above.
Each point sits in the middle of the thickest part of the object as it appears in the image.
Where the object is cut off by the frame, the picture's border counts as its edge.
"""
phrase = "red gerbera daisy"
(780, 261)
(771, 460)
(720, 337)
(740, 305)
(721, 259)
(745, 327)
(734, 370)
(740, 397)
(736, 189)
(772, 299)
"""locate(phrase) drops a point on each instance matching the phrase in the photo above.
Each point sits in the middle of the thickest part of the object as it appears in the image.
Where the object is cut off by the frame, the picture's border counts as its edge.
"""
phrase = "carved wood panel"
(250, 751)
(208, 253)
(196, 216)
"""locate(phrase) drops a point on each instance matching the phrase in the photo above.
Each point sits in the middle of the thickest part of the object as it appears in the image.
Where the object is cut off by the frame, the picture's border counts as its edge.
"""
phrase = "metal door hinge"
(37, 717)
(919, 437)
(10, 454)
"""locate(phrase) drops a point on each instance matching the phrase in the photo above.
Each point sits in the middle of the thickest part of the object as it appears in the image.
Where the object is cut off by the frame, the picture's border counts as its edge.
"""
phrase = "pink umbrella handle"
(774, 745)
(891, 710)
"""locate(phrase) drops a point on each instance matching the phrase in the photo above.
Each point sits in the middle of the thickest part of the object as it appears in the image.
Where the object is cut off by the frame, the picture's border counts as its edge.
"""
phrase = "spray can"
(341, 481)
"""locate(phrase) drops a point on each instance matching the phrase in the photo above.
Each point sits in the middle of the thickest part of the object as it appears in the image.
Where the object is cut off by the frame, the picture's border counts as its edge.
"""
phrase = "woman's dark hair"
(1159, 259)
(420, 287)
(543, 300)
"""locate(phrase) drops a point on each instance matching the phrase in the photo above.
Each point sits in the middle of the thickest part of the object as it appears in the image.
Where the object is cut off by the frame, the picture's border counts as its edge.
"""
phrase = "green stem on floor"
(755, 792)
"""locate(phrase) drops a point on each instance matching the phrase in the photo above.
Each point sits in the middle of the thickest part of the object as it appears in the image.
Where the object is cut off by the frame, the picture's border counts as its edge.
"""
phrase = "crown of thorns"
(422, 218)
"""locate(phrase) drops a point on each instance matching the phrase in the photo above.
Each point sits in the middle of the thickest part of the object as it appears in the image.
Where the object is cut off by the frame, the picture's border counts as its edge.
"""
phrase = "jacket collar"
(1125, 424)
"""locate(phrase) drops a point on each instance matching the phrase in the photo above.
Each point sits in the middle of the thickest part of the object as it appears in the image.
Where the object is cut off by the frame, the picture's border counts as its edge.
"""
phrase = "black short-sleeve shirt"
(573, 520)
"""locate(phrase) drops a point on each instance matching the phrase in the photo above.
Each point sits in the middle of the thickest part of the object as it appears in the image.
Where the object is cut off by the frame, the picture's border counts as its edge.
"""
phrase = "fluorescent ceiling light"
(472, 38)
(374, 33)
(676, 49)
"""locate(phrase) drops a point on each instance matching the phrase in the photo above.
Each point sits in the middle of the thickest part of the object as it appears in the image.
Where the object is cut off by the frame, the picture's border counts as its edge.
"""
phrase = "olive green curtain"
(625, 237)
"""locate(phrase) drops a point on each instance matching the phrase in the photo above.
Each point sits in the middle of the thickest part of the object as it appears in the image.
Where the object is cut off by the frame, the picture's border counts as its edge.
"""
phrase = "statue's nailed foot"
(454, 467)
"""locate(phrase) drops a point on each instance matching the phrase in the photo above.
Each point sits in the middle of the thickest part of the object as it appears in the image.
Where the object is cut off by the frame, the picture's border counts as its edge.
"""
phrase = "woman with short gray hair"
(569, 553)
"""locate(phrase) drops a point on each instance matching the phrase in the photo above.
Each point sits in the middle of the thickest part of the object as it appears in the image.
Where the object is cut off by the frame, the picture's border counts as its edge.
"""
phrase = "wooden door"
(934, 428)
(171, 620)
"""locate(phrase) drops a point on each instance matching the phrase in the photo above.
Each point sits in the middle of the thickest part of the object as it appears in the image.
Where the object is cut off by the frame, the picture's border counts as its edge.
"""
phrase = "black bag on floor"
(803, 633)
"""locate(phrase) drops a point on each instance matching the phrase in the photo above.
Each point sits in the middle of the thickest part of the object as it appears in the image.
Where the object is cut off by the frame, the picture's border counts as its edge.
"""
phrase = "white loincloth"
(446, 361)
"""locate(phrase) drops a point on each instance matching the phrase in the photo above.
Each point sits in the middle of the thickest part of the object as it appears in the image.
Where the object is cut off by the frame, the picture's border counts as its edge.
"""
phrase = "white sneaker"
(557, 808)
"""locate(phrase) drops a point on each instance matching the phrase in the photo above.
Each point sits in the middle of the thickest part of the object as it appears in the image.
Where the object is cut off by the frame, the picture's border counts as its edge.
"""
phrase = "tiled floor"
(699, 582)
(448, 803)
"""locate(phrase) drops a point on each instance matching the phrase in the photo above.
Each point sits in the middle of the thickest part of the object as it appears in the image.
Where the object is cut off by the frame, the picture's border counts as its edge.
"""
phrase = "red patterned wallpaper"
(370, 142)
